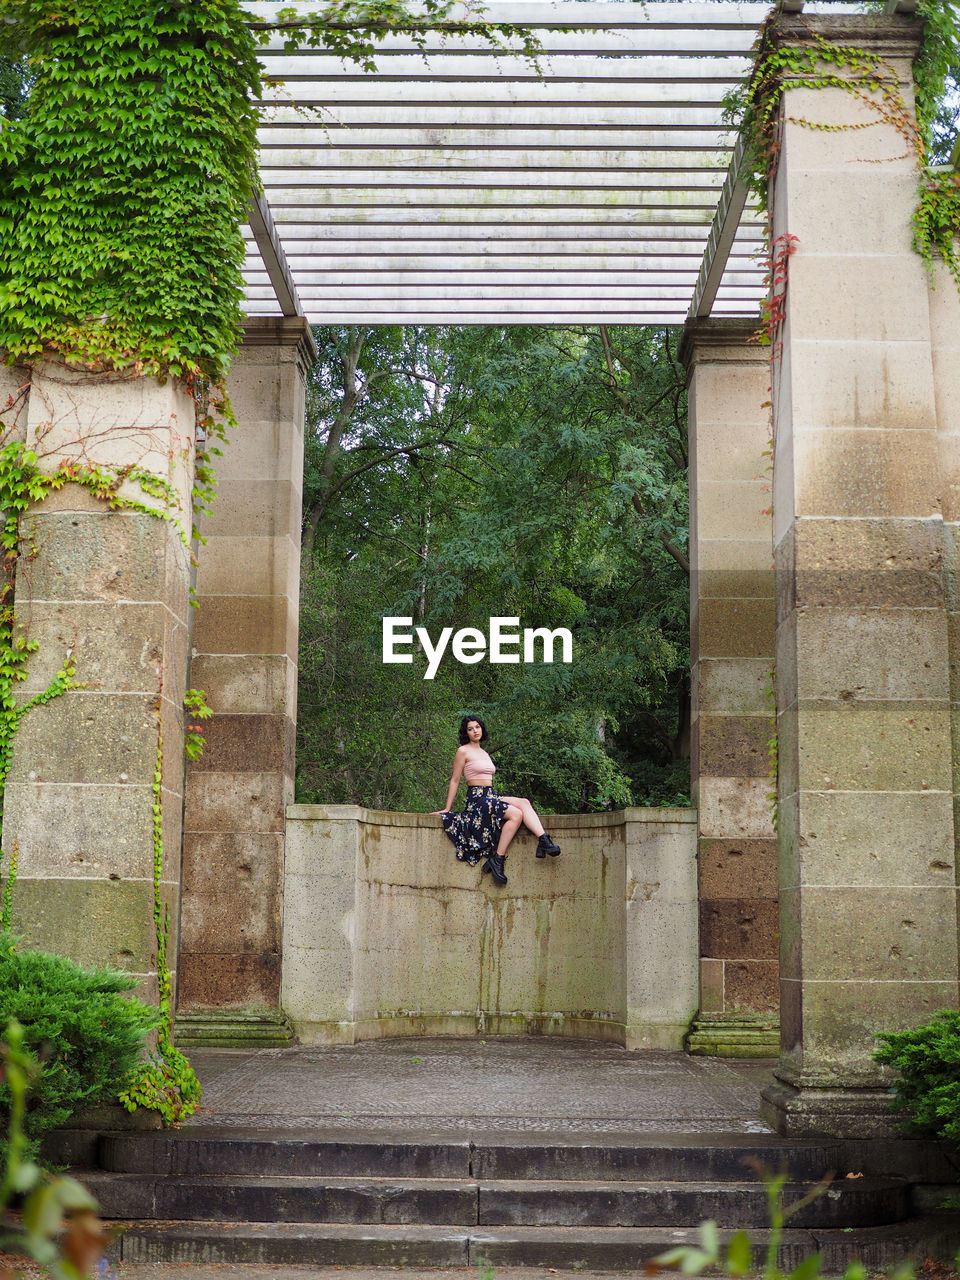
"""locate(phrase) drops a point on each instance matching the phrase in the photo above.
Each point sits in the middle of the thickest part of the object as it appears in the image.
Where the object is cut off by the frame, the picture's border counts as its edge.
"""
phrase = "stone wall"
(385, 933)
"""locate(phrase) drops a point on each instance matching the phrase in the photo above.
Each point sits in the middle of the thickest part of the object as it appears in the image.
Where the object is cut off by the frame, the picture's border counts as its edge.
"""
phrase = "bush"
(87, 1035)
(928, 1060)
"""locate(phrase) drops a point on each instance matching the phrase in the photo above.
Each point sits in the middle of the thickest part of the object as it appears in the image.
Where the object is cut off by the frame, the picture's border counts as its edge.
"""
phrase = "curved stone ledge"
(386, 934)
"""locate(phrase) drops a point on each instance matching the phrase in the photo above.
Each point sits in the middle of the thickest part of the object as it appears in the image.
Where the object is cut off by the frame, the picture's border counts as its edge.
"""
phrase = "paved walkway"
(500, 1085)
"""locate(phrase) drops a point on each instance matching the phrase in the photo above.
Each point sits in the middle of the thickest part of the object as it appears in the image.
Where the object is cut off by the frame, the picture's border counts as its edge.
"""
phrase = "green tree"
(528, 472)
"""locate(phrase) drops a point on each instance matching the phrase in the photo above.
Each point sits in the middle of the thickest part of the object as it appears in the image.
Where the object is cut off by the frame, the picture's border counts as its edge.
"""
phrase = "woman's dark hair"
(484, 737)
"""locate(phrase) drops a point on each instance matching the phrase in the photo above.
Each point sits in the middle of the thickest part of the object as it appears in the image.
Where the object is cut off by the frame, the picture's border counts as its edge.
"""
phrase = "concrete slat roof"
(465, 188)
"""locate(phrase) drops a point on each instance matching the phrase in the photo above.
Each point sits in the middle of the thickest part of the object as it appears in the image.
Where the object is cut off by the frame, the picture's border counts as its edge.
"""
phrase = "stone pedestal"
(245, 659)
(732, 648)
(867, 882)
(110, 588)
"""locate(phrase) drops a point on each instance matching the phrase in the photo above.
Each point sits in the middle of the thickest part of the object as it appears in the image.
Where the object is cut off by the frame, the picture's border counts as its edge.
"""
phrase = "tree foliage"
(456, 474)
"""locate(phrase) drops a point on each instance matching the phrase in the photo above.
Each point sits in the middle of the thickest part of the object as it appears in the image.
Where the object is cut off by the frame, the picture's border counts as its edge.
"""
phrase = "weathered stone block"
(88, 737)
(271, 507)
(318, 984)
(896, 563)
(734, 686)
(869, 214)
(711, 986)
(721, 389)
(854, 315)
(114, 556)
(735, 806)
(753, 576)
(217, 980)
(253, 801)
(735, 746)
(247, 744)
(731, 868)
(114, 420)
(735, 628)
(873, 746)
(888, 933)
(739, 929)
(245, 566)
(227, 878)
(752, 984)
(860, 139)
(246, 624)
(320, 911)
(119, 647)
(859, 654)
(246, 683)
(877, 838)
(733, 509)
(847, 471)
(842, 1019)
(64, 830)
(96, 922)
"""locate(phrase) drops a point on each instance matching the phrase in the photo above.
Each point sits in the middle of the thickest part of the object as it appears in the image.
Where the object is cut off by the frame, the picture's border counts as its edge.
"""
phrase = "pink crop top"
(478, 774)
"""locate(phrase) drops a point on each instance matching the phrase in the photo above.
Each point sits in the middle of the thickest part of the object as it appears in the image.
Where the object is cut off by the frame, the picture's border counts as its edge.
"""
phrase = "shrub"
(928, 1060)
(86, 1033)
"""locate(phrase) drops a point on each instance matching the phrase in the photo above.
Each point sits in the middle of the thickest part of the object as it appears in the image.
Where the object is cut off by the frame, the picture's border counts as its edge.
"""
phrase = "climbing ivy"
(125, 181)
(166, 1082)
(754, 108)
(352, 29)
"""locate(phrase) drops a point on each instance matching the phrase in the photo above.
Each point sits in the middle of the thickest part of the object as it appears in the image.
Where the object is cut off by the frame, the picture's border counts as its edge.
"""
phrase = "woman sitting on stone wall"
(488, 822)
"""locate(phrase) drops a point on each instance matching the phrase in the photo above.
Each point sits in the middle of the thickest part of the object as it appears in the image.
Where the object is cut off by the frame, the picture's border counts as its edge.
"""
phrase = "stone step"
(602, 1248)
(439, 1202)
(715, 1157)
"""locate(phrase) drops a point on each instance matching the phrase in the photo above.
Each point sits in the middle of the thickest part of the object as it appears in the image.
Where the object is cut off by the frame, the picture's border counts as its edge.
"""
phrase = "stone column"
(245, 660)
(867, 884)
(945, 337)
(110, 588)
(732, 646)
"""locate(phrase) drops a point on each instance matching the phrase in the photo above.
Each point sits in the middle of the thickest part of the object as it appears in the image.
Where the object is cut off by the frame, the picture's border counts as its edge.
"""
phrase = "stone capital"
(721, 340)
(894, 37)
(281, 331)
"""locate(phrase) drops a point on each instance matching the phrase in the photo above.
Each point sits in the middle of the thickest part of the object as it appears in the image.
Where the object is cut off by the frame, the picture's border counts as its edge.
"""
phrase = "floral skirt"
(475, 831)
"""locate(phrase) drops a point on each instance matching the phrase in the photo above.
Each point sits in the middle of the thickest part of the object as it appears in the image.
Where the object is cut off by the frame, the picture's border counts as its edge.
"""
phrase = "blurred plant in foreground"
(57, 1225)
(739, 1258)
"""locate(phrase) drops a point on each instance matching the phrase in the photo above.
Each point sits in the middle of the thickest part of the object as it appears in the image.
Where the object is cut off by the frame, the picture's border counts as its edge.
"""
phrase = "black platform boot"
(545, 845)
(494, 864)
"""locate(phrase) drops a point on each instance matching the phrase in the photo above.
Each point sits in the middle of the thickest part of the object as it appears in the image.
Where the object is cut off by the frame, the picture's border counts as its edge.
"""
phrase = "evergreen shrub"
(928, 1060)
(87, 1034)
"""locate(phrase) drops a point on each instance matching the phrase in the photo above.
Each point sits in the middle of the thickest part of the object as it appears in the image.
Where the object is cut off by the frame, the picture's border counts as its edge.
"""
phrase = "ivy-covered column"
(732, 642)
(867, 882)
(93, 732)
(245, 658)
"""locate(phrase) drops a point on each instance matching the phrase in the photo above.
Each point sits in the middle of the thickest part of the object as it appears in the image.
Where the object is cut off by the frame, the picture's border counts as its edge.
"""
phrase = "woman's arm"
(458, 762)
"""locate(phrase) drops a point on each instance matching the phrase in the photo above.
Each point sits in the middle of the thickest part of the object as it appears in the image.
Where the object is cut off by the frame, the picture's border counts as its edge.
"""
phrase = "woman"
(489, 822)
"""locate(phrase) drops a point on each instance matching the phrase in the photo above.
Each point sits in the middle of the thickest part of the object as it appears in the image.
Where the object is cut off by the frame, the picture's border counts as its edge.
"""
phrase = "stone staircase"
(196, 1195)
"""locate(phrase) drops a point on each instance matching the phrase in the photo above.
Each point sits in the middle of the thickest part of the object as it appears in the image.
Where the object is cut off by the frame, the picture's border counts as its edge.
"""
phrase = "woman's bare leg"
(511, 824)
(528, 814)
